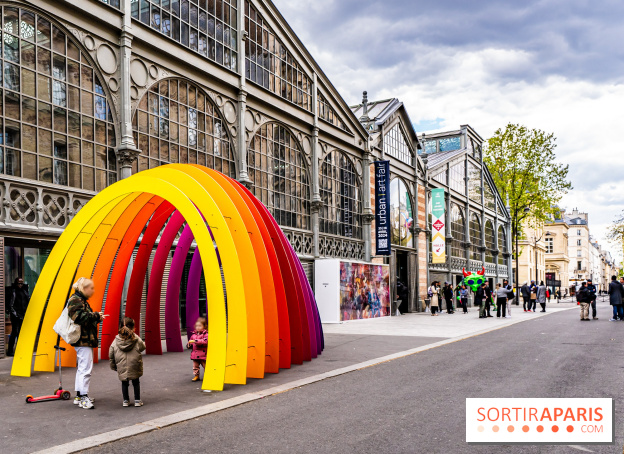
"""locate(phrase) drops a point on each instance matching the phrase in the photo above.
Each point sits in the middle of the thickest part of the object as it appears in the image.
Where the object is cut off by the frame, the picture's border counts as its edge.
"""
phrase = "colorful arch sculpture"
(272, 317)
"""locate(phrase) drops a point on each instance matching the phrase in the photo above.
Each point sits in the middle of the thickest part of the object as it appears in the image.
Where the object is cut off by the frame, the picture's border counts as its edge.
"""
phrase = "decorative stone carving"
(302, 242)
(338, 247)
(138, 72)
(107, 59)
(229, 112)
(306, 144)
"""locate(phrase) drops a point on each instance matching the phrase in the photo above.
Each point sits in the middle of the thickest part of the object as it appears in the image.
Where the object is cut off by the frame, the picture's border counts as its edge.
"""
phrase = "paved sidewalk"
(167, 389)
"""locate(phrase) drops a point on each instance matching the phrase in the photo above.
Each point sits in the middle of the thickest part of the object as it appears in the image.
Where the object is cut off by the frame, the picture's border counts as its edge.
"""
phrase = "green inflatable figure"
(473, 281)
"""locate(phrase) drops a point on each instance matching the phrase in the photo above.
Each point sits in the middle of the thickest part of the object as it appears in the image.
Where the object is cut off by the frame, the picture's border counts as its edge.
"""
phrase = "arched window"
(502, 246)
(475, 237)
(279, 175)
(339, 188)
(401, 219)
(458, 230)
(176, 122)
(489, 242)
(57, 122)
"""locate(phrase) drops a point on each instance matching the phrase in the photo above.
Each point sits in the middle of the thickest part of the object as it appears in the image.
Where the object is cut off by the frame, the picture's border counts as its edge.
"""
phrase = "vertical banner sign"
(382, 207)
(438, 240)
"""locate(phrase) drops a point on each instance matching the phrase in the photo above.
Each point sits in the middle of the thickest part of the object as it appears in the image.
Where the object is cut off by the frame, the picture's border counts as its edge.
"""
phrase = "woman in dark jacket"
(81, 313)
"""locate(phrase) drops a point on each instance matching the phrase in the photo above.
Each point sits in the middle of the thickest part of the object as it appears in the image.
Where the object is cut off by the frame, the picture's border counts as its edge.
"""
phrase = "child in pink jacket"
(199, 344)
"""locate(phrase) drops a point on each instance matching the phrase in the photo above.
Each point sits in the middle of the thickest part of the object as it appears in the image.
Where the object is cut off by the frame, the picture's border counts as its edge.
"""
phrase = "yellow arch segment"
(71, 238)
(251, 278)
(95, 211)
(44, 361)
(236, 367)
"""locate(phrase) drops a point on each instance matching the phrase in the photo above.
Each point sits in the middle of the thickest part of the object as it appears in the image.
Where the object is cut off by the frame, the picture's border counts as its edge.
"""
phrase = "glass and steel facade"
(396, 146)
(279, 175)
(401, 215)
(175, 122)
(57, 125)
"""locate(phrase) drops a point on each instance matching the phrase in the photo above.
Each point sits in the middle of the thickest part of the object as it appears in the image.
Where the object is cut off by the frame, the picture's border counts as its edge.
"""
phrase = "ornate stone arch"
(280, 176)
(176, 120)
(339, 184)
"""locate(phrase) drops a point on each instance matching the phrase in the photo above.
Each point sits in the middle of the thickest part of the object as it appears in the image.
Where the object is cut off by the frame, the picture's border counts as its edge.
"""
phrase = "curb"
(187, 415)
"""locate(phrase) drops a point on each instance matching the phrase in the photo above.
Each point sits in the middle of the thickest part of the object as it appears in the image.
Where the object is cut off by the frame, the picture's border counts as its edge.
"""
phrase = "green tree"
(615, 233)
(524, 167)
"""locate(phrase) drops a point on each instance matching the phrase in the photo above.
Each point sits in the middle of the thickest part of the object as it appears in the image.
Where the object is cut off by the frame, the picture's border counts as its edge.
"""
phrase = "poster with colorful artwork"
(438, 238)
(364, 291)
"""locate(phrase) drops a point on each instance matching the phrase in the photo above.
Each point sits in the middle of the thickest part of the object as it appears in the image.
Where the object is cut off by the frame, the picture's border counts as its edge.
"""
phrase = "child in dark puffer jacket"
(199, 344)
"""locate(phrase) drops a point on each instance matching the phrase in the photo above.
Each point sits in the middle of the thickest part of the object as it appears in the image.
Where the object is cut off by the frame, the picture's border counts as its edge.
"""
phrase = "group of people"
(533, 294)
(125, 353)
(485, 297)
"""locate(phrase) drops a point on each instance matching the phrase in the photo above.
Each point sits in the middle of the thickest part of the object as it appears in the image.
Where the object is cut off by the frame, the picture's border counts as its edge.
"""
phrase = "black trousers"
(487, 307)
(501, 305)
(525, 302)
(593, 306)
(464, 303)
(532, 304)
(543, 306)
(137, 389)
(449, 306)
(16, 326)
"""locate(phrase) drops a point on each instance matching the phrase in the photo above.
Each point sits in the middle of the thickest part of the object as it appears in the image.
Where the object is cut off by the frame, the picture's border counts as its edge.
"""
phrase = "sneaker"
(77, 400)
(125, 403)
(595, 318)
(86, 403)
(195, 378)
(138, 403)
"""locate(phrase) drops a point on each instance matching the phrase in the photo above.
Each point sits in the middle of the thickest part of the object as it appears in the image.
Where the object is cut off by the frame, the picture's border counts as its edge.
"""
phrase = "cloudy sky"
(557, 65)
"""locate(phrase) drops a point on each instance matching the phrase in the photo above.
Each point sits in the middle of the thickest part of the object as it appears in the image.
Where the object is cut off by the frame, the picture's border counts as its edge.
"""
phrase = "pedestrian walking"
(488, 298)
(501, 301)
(80, 312)
(434, 297)
(532, 297)
(615, 299)
(17, 305)
(199, 344)
(125, 357)
(448, 297)
(463, 298)
(541, 296)
(591, 288)
(583, 298)
(525, 291)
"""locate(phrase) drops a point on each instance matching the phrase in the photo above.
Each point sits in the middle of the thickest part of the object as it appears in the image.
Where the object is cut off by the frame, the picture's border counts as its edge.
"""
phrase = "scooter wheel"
(66, 395)
(29, 399)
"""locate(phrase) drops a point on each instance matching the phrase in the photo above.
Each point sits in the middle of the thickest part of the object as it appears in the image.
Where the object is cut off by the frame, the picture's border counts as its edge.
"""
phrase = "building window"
(207, 28)
(578, 242)
(327, 113)
(474, 183)
(458, 230)
(57, 125)
(450, 144)
(396, 146)
(502, 246)
(430, 146)
(488, 195)
(340, 194)
(578, 232)
(279, 175)
(489, 242)
(475, 237)
(113, 3)
(579, 265)
(401, 214)
(550, 245)
(441, 178)
(176, 122)
(458, 180)
(269, 64)
(579, 253)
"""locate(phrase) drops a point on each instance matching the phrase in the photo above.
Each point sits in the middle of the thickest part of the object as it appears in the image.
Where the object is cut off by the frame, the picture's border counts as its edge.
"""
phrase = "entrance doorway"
(402, 280)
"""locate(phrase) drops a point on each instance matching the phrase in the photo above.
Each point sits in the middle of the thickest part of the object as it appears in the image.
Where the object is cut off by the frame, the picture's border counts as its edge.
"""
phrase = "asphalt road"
(417, 404)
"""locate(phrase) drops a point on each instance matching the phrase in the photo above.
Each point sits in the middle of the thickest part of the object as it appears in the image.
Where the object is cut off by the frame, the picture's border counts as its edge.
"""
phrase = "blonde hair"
(81, 283)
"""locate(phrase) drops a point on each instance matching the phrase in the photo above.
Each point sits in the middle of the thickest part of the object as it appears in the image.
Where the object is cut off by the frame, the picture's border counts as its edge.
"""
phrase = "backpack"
(429, 293)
